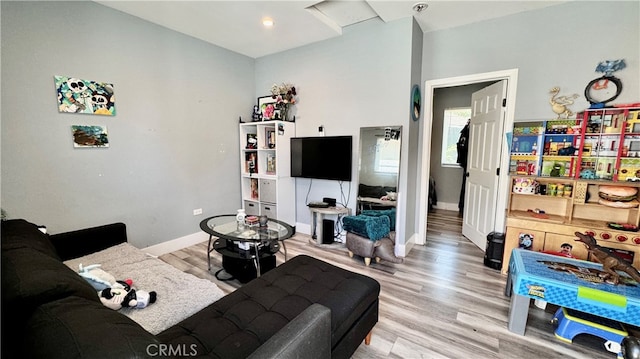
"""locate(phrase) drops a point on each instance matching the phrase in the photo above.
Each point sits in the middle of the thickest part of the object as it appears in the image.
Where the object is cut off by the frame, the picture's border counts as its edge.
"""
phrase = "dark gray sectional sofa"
(303, 308)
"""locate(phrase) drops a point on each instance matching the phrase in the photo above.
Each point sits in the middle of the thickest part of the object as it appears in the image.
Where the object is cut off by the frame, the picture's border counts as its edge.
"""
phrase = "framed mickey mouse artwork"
(84, 96)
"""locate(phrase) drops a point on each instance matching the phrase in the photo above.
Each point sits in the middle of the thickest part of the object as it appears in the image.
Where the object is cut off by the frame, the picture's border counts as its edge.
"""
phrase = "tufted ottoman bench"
(239, 323)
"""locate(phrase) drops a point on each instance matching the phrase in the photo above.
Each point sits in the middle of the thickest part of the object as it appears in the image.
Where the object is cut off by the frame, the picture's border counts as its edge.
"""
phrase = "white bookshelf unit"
(265, 171)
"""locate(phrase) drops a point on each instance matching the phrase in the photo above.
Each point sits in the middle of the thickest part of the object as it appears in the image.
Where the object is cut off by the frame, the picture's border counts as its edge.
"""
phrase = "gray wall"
(174, 140)
(413, 139)
(360, 79)
(555, 46)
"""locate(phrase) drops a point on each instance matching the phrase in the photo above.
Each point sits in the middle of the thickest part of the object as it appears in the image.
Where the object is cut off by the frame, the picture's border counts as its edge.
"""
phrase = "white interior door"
(485, 145)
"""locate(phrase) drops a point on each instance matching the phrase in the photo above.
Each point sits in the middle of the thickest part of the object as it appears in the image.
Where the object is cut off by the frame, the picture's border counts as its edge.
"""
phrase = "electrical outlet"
(197, 211)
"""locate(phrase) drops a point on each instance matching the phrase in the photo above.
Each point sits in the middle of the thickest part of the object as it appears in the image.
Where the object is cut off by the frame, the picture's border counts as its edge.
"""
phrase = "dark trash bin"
(495, 250)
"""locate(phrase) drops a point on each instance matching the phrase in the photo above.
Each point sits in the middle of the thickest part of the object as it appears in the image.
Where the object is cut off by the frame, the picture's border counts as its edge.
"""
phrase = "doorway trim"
(511, 76)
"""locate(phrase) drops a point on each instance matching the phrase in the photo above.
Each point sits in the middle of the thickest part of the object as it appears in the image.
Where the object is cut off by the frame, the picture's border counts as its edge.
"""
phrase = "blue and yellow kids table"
(569, 283)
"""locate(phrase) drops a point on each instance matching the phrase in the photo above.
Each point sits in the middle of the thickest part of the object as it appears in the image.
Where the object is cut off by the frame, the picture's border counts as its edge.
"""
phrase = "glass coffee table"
(240, 243)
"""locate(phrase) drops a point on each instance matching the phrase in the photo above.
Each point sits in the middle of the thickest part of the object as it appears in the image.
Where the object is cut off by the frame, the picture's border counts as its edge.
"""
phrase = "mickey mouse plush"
(98, 278)
(119, 296)
(145, 298)
(122, 295)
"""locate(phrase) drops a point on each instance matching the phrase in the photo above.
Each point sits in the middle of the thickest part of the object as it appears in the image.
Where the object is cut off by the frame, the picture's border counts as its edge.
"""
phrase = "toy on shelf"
(623, 226)
(601, 144)
(618, 196)
(525, 186)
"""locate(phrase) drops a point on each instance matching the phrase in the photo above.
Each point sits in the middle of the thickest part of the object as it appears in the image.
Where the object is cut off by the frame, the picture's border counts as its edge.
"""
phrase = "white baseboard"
(401, 250)
(176, 244)
(195, 238)
(447, 206)
(303, 228)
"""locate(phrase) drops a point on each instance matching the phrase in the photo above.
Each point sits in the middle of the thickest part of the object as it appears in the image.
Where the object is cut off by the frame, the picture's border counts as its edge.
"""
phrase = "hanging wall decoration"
(89, 136)
(416, 99)
(607, 88)
(560, 104)
(83, 96)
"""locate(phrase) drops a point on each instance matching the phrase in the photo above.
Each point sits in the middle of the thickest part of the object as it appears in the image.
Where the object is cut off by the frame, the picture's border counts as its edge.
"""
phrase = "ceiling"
(237, 25)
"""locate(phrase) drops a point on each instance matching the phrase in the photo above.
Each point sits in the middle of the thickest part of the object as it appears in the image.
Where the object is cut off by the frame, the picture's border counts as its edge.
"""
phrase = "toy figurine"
(526, 240)
(256, 115)
(610, 262)
(588, 173)
(559, 103)
(565, 250)
(557, 170)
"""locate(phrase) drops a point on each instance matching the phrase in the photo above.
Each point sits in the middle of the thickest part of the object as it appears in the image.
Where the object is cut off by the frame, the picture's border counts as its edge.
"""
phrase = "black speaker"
(495, 249)
(327, 231)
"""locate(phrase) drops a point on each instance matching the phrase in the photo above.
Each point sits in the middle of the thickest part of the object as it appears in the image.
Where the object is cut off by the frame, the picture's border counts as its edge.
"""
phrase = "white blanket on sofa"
(179, 294)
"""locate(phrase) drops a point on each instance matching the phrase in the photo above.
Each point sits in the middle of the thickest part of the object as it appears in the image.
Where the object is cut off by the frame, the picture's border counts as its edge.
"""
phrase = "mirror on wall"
(379, 166)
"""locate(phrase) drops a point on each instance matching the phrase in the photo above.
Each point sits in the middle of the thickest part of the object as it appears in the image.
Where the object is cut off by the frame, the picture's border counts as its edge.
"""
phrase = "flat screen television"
(326, 158)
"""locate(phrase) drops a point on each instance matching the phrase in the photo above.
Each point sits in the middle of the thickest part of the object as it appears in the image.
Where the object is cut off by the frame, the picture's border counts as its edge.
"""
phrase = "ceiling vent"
(343, 13)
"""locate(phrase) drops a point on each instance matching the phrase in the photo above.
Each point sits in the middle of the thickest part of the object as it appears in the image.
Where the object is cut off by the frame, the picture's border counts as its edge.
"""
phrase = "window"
(387, 160)
(454, 121)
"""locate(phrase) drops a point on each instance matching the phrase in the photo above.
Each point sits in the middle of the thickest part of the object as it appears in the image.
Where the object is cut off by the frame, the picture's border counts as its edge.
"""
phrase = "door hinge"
(498, 171)
(504, 102)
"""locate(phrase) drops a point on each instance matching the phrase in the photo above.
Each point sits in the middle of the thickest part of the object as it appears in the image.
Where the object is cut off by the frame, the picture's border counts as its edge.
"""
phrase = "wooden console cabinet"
(563, 215)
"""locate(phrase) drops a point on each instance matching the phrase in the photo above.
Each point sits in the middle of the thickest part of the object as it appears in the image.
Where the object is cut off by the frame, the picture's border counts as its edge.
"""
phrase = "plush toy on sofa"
(98, 278)
(115, 294)
(145, 298)
(119, 296)
(122, 295)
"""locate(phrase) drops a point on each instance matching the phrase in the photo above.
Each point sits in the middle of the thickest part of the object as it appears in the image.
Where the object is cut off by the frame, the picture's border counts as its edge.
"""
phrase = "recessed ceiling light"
(267, 22)
(421, 6)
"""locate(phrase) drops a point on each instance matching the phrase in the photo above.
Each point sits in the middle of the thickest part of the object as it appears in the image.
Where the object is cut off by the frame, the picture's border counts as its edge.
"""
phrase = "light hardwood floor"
(442, 302)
